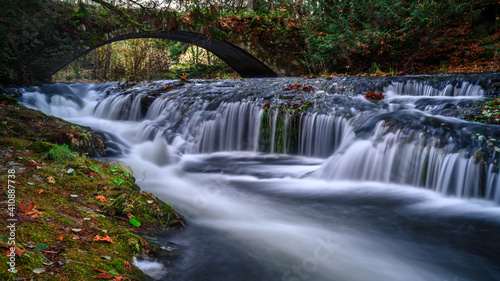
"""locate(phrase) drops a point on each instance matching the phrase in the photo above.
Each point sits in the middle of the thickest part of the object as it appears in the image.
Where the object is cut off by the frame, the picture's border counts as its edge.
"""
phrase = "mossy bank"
(74, 218)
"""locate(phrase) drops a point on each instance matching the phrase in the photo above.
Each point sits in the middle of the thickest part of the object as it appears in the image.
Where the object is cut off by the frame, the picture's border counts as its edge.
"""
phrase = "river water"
(296, 179)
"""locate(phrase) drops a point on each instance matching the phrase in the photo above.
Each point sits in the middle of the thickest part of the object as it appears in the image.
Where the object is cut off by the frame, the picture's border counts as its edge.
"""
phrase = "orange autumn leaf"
(19, 252)
(60, 237)
(127, 265)
(35, 213)
(293, 87)
(30, 209)
(374, 96)
(105, 238)
(41, 191)
(105, 276)
(101, 198)
(26, 207)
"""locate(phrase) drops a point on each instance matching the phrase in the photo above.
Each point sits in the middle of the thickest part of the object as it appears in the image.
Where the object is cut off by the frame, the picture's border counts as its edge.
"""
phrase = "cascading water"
(296, 179)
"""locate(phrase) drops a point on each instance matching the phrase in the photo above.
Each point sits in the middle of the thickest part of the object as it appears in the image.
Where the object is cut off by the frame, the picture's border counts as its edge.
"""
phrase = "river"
(306, 179)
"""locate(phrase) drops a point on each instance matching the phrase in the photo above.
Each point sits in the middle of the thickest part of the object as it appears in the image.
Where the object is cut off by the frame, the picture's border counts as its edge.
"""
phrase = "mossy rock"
(8, 100)
(41, 146)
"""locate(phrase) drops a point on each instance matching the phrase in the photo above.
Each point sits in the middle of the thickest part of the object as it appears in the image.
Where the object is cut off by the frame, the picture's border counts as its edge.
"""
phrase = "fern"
(216, 32)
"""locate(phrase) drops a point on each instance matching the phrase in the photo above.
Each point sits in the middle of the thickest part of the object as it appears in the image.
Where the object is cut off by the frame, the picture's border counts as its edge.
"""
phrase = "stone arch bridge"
(38, 48)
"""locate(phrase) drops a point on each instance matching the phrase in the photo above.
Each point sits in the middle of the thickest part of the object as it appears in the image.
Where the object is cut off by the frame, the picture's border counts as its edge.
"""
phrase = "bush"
(355, 33)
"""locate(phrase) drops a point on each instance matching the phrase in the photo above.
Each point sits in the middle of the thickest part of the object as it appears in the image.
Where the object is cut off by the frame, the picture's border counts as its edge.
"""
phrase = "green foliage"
(349, 31)
(60, 153)
(176, 49)
(134, 222)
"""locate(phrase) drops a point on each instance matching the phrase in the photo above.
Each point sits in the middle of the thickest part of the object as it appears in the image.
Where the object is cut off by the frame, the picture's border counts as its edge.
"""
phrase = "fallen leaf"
(134, 222)
(105, 238)
(39, 270)
(35, 213)
(101, 198)
(19, 252)
(51, 180)
(41, 191)
(105, 276)
(32, 163)
(26, 207)
(127, 265)
(41, 247)
(60, 237)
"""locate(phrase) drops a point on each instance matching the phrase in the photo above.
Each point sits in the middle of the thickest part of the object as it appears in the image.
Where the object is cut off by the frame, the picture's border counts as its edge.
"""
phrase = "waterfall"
(320, 135)
(361, 140)
(419, 88)
(391, 158)
(324, 184)
(235, 127)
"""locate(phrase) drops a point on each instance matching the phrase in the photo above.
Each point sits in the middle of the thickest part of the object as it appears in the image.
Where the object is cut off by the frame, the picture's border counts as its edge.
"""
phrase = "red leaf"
(18, 251)
(105, 276)
(374, 96)
(25, 208)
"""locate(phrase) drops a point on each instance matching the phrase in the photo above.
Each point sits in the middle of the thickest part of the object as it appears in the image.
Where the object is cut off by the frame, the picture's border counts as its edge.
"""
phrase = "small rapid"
(305, 179)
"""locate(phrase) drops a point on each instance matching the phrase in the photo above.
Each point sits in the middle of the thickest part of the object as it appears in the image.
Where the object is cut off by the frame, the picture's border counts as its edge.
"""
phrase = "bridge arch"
(240, 60)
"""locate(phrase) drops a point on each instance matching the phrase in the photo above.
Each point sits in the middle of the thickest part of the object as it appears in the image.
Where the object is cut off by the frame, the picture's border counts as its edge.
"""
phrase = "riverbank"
(73, 217)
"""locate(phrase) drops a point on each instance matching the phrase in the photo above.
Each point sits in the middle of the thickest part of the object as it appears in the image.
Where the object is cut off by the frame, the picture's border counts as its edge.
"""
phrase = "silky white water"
(393, 205)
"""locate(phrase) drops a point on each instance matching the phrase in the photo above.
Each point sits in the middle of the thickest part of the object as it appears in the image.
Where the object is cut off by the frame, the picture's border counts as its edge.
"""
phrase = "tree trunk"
(107, 62)
(250, 5)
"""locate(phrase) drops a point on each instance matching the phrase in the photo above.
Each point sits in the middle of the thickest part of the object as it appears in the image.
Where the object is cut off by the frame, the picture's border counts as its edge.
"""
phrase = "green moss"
(45, 164)
(8, 100)
(60, 153)
(42, 146)
(14, 143)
